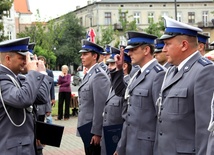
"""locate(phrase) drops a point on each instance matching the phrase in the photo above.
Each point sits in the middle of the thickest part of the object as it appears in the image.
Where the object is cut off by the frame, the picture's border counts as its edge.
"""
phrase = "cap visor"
(128, 47)
(158, 51)
(166, 36)
(83, 51)
(25, 53)
(110, 60)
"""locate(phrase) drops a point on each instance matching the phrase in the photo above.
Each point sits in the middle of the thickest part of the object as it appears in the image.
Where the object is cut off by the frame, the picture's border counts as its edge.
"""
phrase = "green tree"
(156, 29)
(69, 44)
(107, 36)
(5, 6)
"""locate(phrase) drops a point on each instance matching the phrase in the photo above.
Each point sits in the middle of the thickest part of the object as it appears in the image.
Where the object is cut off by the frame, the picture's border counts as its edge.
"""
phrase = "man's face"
(111, 65)
(172, 48)
(17, 63)
(137, 55)
(88, 59)
(161, 57)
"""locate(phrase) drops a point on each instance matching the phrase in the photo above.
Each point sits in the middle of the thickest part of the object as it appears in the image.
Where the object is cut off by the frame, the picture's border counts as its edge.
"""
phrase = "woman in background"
(64, 93)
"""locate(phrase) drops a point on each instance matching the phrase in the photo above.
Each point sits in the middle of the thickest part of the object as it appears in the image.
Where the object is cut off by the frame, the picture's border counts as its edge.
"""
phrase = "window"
(137, 17)
(81, 21)
(205, 18)
(179, 16)
(150, 17)
(122, 16)
(107, 18)
(191, 17)
(164, 14)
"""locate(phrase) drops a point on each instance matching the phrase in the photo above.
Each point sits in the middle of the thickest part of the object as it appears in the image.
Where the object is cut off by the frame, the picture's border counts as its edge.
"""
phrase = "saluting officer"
(138, 134)
(184, 103)
(92, 94)
(18, 97)
(114, 106)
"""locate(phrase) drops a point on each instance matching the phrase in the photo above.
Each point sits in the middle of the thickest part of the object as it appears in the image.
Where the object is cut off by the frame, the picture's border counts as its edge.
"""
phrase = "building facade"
(103, 13)
(19, 17)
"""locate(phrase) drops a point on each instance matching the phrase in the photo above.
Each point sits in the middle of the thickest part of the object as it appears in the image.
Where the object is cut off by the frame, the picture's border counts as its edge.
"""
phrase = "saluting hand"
(31, 64)
(119, 59)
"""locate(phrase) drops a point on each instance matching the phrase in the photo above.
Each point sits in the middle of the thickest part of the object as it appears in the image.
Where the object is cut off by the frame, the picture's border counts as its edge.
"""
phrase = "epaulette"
(204, 61)
(158, 68)
(97, 70)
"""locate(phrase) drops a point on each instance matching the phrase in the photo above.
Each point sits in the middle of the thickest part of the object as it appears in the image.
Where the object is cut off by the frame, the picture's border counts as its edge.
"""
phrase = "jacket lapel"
(142, 76)
(171, 80)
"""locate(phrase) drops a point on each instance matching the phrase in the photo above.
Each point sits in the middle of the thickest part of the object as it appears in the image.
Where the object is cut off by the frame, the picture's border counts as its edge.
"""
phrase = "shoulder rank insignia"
(97, 70)
(204, 61)
(158, 68)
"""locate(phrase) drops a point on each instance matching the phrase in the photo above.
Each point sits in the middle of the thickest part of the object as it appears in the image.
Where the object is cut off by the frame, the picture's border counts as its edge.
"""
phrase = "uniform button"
(105, 112)
(161, 108)
(160, 120)
(130, 105)
(105, 120)
(193, 150)
(128, 114)
(161, 133)
(38, 78)
(128, 124)
(148, 137)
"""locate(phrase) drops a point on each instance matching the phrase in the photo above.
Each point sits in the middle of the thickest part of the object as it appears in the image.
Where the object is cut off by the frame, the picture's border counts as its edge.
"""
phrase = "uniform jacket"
(138, 134)
(42, 109)
(113, 111)
(185, 111)
(20, 140)
(92, 94)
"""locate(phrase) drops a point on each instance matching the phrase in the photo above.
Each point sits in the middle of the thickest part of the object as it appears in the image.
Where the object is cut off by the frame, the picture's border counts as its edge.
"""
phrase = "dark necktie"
(138, 74)
(85, 76)
(175, 71)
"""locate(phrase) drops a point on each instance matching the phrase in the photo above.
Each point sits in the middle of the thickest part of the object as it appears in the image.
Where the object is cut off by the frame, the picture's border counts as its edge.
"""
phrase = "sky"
(49, 9)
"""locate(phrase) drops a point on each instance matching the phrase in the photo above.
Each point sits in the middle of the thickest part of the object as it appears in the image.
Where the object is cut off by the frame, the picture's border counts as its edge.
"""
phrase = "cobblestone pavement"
(70, 144)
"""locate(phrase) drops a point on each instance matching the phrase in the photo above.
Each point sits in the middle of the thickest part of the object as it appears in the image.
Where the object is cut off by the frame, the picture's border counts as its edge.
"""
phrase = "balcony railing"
(205, 24)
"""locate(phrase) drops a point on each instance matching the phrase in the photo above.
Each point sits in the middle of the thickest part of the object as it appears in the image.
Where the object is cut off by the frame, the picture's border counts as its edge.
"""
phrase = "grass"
(54, 111)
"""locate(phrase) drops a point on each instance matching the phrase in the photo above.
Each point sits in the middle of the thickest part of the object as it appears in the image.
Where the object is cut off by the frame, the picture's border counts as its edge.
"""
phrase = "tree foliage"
(69, 44)
(156, 29)
(5, 6)
(107, 36)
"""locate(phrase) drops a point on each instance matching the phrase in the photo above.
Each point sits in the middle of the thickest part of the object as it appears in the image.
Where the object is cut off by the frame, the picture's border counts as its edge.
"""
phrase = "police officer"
(138, 132)
(92, 94)
(114, 107)
(17, 98)
(202, 42)
(184, 103)
(159, 55)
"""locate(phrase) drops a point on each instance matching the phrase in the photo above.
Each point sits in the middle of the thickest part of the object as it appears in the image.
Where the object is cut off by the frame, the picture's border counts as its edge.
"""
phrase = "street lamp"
(175, 10)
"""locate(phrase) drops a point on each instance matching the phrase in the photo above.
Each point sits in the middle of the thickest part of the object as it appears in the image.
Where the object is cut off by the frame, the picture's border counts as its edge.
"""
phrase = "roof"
(151, 1)
(22, 6)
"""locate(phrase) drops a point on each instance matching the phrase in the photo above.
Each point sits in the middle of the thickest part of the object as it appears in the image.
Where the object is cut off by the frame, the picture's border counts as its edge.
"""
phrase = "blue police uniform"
(92, 94)
(184, 102)
(138, 133)
(17, 122)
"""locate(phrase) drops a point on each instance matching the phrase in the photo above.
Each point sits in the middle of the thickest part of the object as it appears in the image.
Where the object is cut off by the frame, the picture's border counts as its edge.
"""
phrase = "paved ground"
(70, 144)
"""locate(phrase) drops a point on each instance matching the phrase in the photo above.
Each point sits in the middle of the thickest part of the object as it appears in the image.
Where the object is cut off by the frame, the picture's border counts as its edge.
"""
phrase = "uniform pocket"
(176, 103)
(16, 145)
(185, 146)
(138, 96)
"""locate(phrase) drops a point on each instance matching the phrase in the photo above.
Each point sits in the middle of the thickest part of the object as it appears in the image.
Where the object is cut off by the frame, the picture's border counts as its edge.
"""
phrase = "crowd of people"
(154, 96)
(163, 105)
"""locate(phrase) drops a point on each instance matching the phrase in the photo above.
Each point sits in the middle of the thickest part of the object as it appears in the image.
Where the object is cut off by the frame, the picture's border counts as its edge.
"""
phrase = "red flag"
(92, 35)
